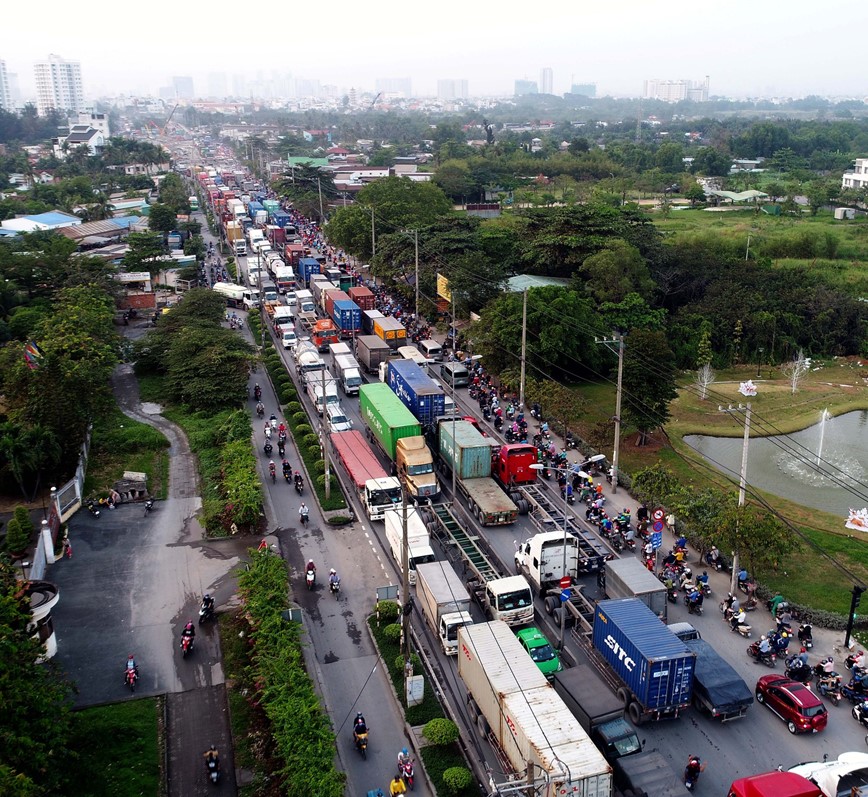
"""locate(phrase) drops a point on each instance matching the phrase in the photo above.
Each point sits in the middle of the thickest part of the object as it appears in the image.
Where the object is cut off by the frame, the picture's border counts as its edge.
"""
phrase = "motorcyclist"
(743, 578)
(629, 535)
(303, 511)
(359, 727)
(776, 601)
(334, 578)
(310, 566)
(738, 619)
(299, 481)
(403, 757)
(287, 468)
(828, 665)
(208, 603)
(712, 556)
(211, 754)
(765, 646)
(693, 768)
(802, 657)
(268, 448)
(257, 391)
(272, 469)
(696, 598)
(260, 409)
(397, 786)
(131, 665)
(702, 581)
(858, 661)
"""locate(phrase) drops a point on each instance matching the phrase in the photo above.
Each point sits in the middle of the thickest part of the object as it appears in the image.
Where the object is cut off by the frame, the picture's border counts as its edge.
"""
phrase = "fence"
(70, 495)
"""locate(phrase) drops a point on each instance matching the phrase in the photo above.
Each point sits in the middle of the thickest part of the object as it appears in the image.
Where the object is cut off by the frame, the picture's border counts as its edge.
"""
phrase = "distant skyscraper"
(523, 87)
(58, 85)
(584, 89)
(183, 85)
(452, 89)
(239, 86)
(217, 85)
(5, 91)
(677, 90)
(394, 85)
(546, 80)
(305, 87)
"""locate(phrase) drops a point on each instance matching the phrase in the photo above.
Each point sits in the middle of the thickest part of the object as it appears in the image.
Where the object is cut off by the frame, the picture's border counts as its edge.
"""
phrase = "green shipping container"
(469, 454)
(386, 416)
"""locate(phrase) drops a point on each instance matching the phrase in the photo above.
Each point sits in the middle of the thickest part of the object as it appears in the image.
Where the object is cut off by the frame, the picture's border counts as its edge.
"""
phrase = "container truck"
(416, 390)
(306, 267)
(444, 601)
(651, 668)
(368, 319)
(390, 330)
(362, 296)
(527, 719)
(346, 315)
(317, 288)
(346, 370)
(284, 276)
(547, 558)
(629, 578)
(418, 540)
(415, 467)
(386, 418)
(294, 253)
(371, 351)
(234, 294)
(324, 333)
(376, 490)
(334, 296)
(461, 447)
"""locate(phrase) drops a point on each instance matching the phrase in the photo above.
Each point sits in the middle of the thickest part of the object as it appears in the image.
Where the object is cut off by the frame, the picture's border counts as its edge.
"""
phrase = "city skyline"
(617, 49)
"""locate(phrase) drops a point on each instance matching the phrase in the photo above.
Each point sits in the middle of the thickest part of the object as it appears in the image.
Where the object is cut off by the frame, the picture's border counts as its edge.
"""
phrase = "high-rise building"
(217, 85)
(523, 87)
(5, 91)
(546, 80)
(306, 87)
(452, 89)
(584, 89)
(394, 85)
(183, 86)
(676, 90)
(58, 85)
(239, 86)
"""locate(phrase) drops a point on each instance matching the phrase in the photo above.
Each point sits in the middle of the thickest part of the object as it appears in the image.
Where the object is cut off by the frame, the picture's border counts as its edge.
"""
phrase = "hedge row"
(300, 736)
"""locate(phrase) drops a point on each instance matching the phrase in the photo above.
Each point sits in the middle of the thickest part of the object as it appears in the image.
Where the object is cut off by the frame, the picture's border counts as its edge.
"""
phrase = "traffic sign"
(566, 595)
(566, 582)
(656, 540)
(657, 525)
(658, 514)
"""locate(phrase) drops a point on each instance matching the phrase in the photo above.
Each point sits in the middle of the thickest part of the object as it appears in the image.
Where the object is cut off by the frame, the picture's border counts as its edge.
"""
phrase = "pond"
(786, 465)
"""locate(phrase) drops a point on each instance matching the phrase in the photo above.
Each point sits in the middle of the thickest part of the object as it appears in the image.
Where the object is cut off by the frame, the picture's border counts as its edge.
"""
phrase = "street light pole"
(742, 485)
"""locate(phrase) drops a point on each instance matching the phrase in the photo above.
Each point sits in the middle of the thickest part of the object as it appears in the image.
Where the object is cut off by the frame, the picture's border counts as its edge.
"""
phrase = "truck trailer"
(376, 490)
(371, 351)
(629, 578)
(418, 539)
(444, 601)
(417, 391)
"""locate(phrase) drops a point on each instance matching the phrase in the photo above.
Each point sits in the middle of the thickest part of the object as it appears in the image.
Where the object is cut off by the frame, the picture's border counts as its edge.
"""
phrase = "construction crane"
(168, 119)
(374, 101)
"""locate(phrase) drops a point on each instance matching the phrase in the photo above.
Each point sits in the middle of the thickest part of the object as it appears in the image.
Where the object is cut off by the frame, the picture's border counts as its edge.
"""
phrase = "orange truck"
(323, 333)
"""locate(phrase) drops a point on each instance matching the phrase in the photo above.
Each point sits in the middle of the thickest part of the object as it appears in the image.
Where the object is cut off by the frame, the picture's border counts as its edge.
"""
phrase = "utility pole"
(523, 349)
(416, 236)
(742, 483)
(405, 588)
(319, 189)
(619, 339)
(324, 437)
(373, 235)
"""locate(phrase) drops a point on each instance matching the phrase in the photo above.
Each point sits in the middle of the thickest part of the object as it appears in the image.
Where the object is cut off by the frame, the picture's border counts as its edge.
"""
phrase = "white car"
(289, 339)
(338, 421)
(837, 778)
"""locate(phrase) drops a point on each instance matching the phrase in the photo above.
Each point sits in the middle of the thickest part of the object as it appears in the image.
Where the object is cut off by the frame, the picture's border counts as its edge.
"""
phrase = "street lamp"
(538, 466)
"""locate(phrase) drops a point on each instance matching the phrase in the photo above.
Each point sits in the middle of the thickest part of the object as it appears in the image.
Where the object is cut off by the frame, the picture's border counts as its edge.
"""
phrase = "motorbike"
(257, 393)
(205, 613)
(360, 741)
(630, 544)
(830, 686)
(304, 519)
(212, 764)
(860, 713)
(850, 662)
(260, 410)
(299, 485)
(130, 678)
(268, 448)
(92, 508)
(715, 563)
(273, 471)
(691, 774)
(288, 476)
(854, 691)
(693, 607)
(186, 645)
(406, 769)
(310, 579)
(806, 635)
(742, 628)
(335, 587)
(149, 505)
(798, 671)
(769, 659)
(750, 604)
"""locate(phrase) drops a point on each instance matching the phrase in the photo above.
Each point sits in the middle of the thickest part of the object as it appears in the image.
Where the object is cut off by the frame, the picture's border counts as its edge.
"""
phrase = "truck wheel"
(480, 516)
(634, 711)
(523, 506)
(482, 727)
(472, 709)
(558, 616)
(550, 604)
(624, 696)
(432, 528)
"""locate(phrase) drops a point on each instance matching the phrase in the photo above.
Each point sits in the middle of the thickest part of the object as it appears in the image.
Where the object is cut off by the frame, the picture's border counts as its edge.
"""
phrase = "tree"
(36, 717)
(615, 272)
(656, 485)
(695, 193)
(670, 158)
(705, 377)
(146, 251)
(453, 177)
(162, 218)
(775, 191)
(711, 162)
(649, 381)
(796, 370)
(759, 538)
(559, 402)
(632, 312)
(704, 351)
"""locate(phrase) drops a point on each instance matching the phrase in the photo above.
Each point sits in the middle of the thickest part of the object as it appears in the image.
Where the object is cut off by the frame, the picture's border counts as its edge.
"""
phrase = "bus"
(194, 203)
(412, 353)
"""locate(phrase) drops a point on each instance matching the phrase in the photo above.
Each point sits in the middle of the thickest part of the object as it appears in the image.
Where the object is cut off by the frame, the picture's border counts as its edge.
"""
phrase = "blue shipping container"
(254, 207)
(306, 267)
(654, 663)
(280, 218)
(416, 390)
(347, 316)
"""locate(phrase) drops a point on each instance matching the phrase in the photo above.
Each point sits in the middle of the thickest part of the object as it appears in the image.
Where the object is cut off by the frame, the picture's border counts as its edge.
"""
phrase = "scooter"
(769, 659)
(186, 645)
(335, 588)
(693, 607)
(715, 563)
(798, 671)
(806, 635)
(91, 507)
(830, 686)
(299, 485)
(860, 713)
(691, 774)
(854, 691)
(742, 628)
(149, 505)
(360, 742)
(310, 578)
(130, 678)
(407, 774)
(213, 767)
(205, 613)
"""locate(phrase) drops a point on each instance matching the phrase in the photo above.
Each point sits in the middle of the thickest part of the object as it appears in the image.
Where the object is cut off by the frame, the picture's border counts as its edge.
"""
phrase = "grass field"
(807, 577)
(116, 750)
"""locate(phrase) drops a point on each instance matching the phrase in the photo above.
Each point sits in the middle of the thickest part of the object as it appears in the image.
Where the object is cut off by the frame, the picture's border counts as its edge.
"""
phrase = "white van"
(431, 349)
(290, 298)
(289, 338)
(338, 421)
(315, 391)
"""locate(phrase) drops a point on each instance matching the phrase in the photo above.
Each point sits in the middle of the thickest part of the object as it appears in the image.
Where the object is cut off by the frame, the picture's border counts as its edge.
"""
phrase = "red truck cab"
(511, 464)
(323, 333)
(774, 784)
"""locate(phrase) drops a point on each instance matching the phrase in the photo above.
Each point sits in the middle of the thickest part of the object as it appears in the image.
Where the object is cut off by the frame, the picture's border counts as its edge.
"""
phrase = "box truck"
(444, 601)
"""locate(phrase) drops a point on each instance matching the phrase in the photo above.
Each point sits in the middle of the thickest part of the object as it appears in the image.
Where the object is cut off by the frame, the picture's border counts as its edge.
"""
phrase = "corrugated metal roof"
(520, 282)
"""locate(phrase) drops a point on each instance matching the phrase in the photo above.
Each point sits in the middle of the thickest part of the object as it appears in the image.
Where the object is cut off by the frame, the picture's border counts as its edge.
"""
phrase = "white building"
(676, 90)
(97, 121)
(858, 178)
(451, 89)
(5, 91)
(546, 80)
(58, 85)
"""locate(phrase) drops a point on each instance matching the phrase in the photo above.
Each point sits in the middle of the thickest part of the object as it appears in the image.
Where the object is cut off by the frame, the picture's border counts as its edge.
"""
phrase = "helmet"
(131, 655)
(404, 751)
(762, 637)
(332, 571)
(802, 650)
(207, 596)
(705, 572)
(358, 714)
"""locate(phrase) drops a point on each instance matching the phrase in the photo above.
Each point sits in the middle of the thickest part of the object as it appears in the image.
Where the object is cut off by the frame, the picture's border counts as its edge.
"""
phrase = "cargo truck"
(234, 294)
(347, 317)
(461, 447)
(368, 319)
(323, 334)
(362, 296)
(371, 351)
(444, 601)
(547, 558)
(415, 467)
(333, 296)
(417, 391)
(376, 490)
(390, 330)
(386, 418)
(511, 702)
(306, 267)
(418, 540)
(304, 303)
(346, 371)
(317, 288)
(322, 386)
(284, 276)
(629, 578)
(651, 669)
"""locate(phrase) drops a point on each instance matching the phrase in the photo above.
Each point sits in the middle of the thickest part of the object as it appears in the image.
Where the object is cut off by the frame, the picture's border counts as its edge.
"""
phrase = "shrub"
(288, 395)
(311, 439)
(293, 407)
(299, 417)
(392, 632)
(303, 429)
(388, 610)
(319, 465)
(339, 520)
(441, 731)
(17, 538)
(23, 517)
(457, 779)
(414, 660)
(333, 482)
(313, 451)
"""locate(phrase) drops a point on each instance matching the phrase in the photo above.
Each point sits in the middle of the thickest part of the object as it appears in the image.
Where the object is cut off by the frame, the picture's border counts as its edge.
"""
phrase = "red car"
(793, 702)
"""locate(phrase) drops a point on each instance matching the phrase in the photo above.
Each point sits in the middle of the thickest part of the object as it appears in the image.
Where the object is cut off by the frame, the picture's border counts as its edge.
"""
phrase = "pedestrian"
(67, 547)
(670, 522)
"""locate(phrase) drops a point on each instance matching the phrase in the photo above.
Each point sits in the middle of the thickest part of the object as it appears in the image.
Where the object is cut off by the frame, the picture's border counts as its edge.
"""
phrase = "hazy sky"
(748, 47)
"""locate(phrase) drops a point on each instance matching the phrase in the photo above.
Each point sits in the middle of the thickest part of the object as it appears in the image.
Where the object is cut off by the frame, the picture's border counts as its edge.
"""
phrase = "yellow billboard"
(443, 290)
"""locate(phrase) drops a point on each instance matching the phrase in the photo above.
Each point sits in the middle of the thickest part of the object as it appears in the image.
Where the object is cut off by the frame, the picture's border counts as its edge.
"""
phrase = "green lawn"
(116, 751)
(120, 444)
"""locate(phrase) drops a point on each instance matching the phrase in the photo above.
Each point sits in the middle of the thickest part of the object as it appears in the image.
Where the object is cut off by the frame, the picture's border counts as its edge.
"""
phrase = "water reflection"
(787, 465)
